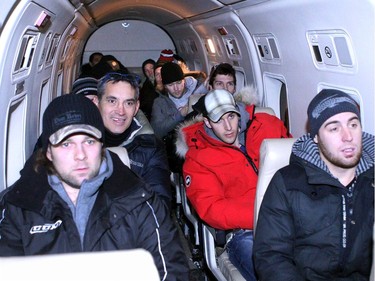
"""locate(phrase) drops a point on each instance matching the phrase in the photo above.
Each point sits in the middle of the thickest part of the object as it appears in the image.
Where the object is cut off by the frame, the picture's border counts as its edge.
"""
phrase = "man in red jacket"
(221, 168)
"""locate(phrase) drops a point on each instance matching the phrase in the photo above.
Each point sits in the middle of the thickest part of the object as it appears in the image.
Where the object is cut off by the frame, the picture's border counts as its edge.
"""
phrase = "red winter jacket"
(220, 180)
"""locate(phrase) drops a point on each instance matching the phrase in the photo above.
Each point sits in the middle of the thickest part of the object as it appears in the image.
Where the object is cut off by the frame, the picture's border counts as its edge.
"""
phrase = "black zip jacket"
(35, 220)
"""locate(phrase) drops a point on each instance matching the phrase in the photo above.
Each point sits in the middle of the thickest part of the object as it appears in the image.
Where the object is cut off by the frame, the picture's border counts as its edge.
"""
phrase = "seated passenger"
(86, 69)
(118, 96)
(76, 196)
(222, 76)
(86, 86)
(159, 86)
(221, 152)
(168, 111)
(147, 93)
(317, 215)
(108, 63)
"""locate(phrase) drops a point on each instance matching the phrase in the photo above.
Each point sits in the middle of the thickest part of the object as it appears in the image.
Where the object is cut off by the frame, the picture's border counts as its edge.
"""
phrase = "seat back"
(274, 154)
(136, 264)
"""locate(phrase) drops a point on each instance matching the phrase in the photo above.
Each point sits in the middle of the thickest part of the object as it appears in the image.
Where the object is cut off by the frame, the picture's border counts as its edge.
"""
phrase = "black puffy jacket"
(306, 230)
(148, 158)
(34, 219)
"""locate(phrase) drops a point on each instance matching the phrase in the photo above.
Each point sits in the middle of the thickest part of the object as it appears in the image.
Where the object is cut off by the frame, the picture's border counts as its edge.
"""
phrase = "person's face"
(176, 89)
(340, 141)
(226, 129)
(158, 79)
(225, 82)
(149, 71)
(118, 106)
(96, 59)
(76, 159)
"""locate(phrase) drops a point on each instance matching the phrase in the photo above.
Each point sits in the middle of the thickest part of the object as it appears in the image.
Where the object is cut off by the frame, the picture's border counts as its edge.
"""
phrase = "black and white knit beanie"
(326, 104)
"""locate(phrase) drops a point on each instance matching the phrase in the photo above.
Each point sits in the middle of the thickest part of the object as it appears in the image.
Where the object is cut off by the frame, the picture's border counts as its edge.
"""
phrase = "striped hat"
(85, 86)
(166, 55)
(326, 104)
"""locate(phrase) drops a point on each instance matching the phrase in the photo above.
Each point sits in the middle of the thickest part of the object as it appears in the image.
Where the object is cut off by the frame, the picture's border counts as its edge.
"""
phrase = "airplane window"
(44, 101)
(15, 142)
(46, 43)
(52, 48)
(26, 52)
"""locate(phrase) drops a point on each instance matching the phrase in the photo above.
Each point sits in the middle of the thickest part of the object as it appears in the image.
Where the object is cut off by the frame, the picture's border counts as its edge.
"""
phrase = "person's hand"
(184, 110)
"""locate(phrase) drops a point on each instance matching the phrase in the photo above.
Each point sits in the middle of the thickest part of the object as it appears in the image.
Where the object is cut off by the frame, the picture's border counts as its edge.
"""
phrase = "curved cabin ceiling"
(159, 12)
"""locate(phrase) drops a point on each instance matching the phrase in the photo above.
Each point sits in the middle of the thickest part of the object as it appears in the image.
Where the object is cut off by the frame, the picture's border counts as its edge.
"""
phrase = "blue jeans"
(240, 252)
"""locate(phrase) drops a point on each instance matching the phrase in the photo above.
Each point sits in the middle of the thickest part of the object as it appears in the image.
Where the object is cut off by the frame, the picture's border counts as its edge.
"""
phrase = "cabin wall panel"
(290, 21)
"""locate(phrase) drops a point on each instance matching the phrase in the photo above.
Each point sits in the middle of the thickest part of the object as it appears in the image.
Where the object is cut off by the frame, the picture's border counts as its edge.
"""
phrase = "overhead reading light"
(211, 46)
(222, 31)
(42, 20)
(73, 31)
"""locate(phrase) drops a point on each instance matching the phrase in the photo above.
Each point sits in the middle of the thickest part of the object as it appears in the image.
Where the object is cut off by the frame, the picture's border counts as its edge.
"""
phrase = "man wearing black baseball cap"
(76, 196)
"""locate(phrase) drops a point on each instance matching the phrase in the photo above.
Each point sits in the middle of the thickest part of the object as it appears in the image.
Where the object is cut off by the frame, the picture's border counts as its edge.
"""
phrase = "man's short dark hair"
(91, 58)
(223, 69)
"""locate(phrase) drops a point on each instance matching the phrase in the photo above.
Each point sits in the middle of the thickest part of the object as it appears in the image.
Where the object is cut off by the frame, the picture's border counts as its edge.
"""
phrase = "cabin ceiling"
(159, 12)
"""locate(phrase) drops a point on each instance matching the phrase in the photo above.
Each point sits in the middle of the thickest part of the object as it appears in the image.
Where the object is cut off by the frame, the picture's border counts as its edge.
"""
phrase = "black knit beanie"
(326, 104)
(69, 114)
(171, 72)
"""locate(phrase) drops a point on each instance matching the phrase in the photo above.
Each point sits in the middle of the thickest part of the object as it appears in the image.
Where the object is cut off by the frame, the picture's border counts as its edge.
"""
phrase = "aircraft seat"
(274, 154)
(136, 264)
(219, 265)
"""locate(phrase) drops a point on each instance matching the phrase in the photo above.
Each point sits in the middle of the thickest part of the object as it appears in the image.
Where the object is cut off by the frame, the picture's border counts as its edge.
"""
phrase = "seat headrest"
(274, 154)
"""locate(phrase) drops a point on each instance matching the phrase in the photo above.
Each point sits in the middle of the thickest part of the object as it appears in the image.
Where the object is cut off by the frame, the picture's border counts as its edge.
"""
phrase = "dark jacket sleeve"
(157, 172)
(10, 235)
(156, 224)
(274, 236)
(150, 151)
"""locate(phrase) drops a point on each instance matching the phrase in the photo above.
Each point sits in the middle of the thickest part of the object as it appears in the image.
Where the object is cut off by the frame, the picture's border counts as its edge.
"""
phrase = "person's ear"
(137, 105)
(207, 122)
(48, 153)
(95, 100)
(315, 139)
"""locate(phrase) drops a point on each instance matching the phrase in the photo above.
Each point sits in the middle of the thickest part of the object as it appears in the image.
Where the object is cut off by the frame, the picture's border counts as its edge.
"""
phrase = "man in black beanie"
(76, 196)
(170, 110)
(316, 218)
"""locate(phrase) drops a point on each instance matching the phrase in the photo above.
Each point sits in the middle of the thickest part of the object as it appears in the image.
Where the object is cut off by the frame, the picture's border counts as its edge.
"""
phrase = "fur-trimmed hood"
(246, 96)
(181, 143)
